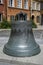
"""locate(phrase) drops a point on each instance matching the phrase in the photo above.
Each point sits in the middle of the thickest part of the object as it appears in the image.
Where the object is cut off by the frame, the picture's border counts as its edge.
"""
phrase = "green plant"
(33, 24)
(5, 24)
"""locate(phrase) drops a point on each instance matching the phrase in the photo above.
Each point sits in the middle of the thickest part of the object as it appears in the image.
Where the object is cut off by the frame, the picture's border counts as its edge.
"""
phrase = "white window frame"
(38, 7)
(25, 4)
(33, 7)
(19, 5)
(1, 1)
(1, 18)
(9, 3)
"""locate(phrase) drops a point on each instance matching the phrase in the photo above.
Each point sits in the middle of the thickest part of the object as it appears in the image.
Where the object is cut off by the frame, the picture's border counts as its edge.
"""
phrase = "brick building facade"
(39, 13)
(3, 11)
(9, 8)
(35, 7)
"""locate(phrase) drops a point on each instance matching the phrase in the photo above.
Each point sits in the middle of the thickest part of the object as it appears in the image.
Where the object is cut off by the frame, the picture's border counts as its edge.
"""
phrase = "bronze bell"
(21, 42)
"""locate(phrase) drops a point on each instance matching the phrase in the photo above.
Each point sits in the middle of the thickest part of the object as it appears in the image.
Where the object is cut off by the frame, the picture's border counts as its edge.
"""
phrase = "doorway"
(21, 16)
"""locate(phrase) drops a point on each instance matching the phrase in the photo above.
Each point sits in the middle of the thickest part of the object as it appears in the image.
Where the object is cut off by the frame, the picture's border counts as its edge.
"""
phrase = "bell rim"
(23, 54)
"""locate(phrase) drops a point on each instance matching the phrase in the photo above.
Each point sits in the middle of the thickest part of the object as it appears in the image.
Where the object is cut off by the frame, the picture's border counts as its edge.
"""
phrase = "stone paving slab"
(17, 63)
(3, 40)
(38, 59)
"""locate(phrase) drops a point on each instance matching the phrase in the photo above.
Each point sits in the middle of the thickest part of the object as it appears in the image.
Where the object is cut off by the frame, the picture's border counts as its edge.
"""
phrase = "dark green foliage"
(33, 24)
(5, 24)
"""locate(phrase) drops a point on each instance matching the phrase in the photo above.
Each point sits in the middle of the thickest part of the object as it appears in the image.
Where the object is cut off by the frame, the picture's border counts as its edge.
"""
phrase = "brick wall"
(3, 8)
(14, 10)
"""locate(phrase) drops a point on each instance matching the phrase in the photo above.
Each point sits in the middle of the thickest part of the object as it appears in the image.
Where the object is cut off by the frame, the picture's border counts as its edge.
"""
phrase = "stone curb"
(32, 28)
(38, 33)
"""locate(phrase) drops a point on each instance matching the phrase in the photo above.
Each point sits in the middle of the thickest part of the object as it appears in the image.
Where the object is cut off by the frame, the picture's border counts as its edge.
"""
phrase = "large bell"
(21, 42)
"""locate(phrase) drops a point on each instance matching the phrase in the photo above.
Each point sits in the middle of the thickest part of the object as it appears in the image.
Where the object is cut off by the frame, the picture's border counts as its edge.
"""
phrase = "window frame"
(26, 4)
(38, 6)
(33, 8)
(11, 4)
(1, 1)
(19, 5)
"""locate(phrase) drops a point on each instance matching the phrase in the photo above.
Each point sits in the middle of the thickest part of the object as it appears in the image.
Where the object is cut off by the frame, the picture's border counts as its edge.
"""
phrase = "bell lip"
(34, 53)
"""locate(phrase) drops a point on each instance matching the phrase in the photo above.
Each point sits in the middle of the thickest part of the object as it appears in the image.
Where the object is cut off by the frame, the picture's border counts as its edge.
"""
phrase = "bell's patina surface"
(21, 42)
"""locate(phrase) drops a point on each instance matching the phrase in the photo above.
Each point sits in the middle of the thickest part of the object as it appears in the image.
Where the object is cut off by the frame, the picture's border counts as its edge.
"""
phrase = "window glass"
(19, 3)
(11, 3)
(26, 4)
(38, 6)
(33, 5)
